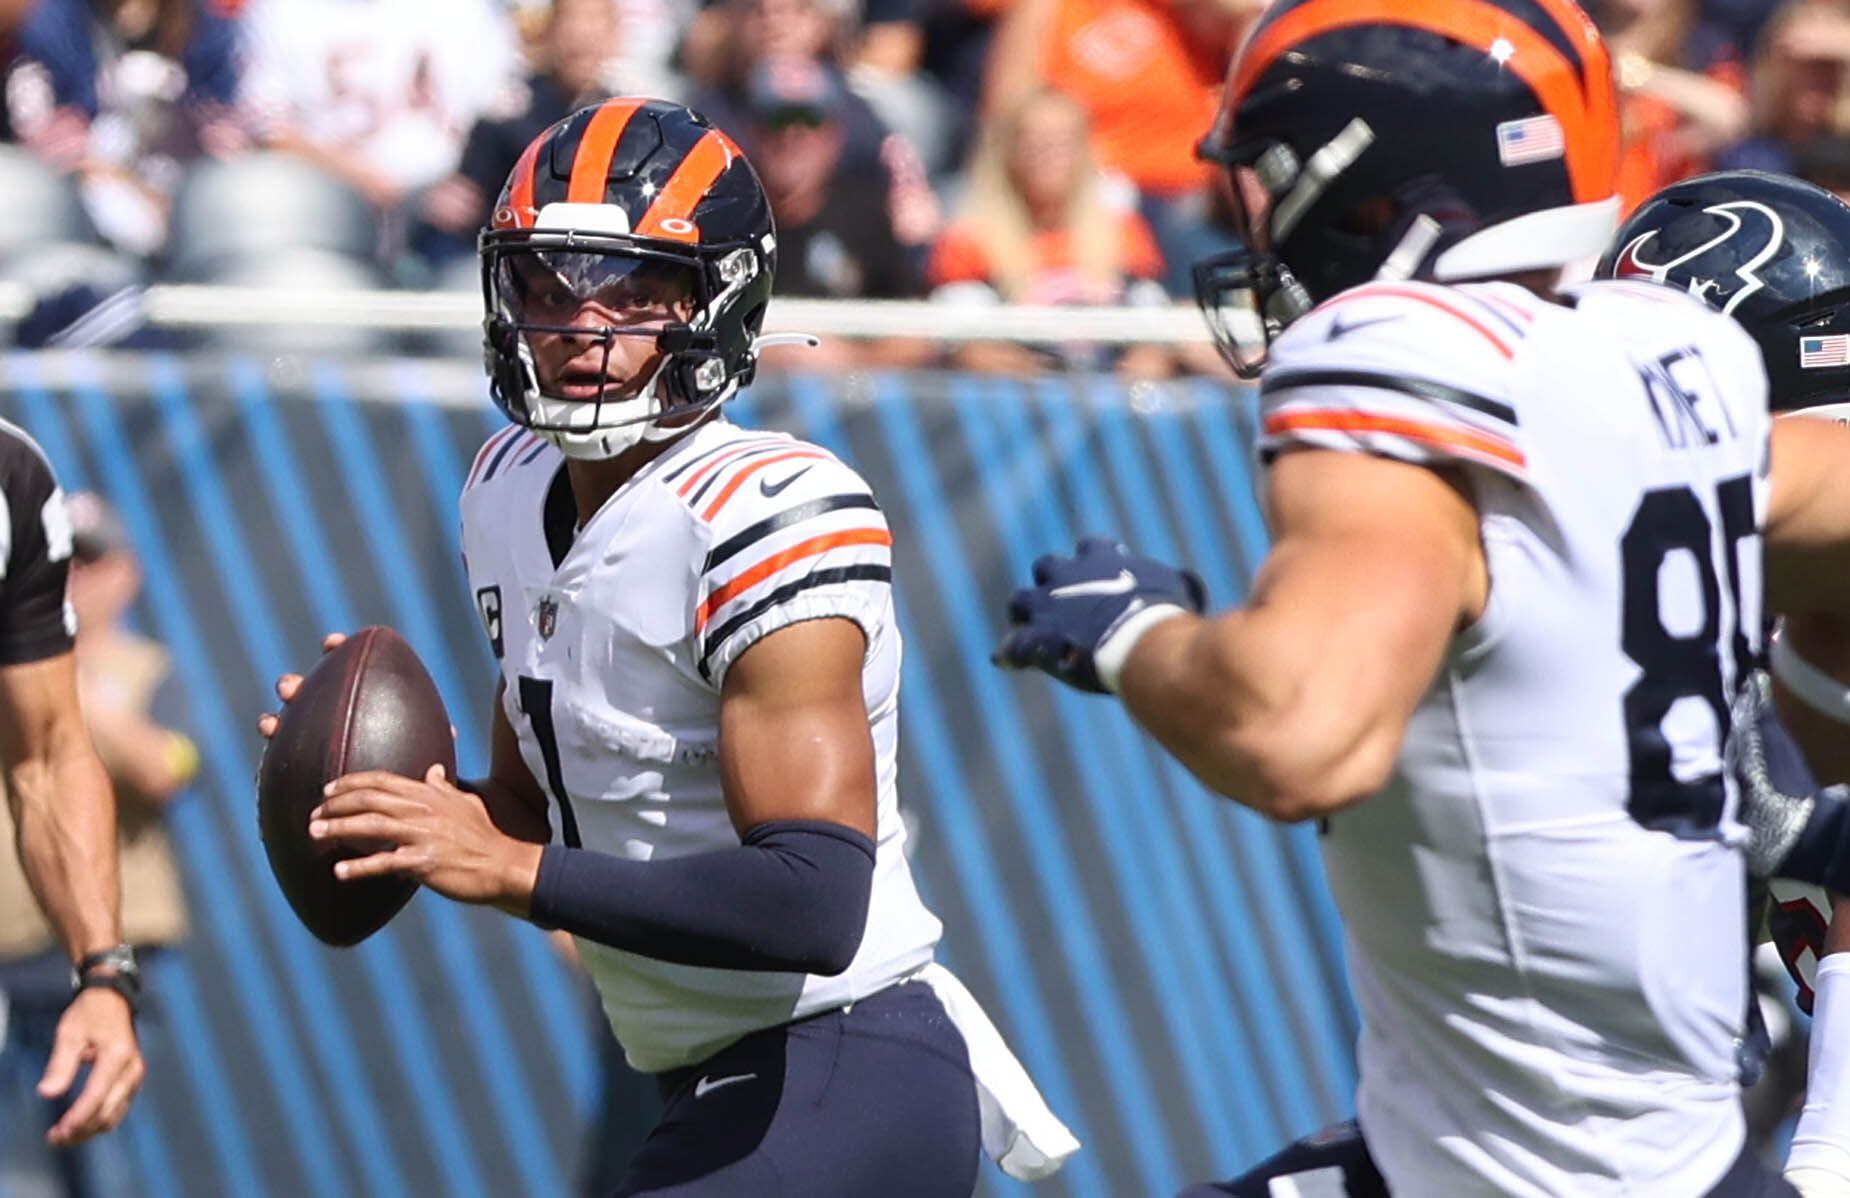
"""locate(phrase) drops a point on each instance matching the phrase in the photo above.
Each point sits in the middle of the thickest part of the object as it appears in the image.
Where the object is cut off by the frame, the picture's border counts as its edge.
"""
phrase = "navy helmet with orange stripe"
(1443, 140)
(1769, 250)
(625, 275)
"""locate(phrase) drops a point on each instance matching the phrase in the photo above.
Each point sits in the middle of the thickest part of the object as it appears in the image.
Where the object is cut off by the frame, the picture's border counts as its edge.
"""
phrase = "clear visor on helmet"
(595, 290)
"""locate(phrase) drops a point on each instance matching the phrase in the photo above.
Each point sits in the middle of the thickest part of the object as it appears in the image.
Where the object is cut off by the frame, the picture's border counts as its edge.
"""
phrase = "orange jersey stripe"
(591, 167)
(673, 207)
(718, 460)
(771, 565)
(520, 212)
(1442, 436)
(1367, 290)
(745, 472)
(1587, 127)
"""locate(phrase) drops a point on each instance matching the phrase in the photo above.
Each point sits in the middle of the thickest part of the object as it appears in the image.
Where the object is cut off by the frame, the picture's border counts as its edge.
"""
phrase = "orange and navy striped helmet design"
(1550, 45)
(657, 161)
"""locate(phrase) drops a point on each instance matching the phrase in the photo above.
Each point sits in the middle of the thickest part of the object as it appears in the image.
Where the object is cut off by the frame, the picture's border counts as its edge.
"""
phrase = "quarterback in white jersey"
(614, 655)
(698, 702)
(1515, 576)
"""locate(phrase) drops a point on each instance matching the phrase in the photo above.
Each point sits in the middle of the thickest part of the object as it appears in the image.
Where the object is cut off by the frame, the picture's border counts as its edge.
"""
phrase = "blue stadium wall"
(1167, 964)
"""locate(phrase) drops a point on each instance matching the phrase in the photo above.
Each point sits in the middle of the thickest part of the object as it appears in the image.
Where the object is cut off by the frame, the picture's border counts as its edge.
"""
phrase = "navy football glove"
(1078, 604)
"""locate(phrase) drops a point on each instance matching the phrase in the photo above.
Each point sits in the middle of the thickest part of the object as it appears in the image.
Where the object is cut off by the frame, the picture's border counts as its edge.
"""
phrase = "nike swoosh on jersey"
(1098, 586)
(769, 491)
(1340, 328)
(706, 1085)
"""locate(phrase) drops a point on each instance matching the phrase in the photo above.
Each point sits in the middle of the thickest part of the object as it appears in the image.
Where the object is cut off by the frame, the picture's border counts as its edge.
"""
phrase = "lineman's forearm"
(66, 820)
(1283, 722)
(1178, 686)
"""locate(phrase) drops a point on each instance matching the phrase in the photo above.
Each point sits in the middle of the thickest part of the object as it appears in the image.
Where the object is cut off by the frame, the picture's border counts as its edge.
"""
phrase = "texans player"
(1513, 581)
(1774, 252)
(700, 669)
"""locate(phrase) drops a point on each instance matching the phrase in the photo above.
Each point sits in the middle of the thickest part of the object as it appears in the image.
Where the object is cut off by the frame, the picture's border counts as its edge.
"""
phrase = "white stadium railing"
(191, 306)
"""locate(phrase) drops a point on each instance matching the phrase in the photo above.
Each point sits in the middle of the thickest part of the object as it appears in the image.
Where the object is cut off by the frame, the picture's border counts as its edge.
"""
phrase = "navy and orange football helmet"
(1443, 139)
(638, 210)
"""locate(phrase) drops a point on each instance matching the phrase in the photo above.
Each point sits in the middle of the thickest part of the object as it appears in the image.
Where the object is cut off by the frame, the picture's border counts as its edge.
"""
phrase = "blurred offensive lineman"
(1515, 574)
(1774, 253)
(700, 669)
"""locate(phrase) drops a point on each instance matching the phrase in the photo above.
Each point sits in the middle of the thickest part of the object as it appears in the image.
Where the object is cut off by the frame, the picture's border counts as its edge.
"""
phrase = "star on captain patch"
(546, 618)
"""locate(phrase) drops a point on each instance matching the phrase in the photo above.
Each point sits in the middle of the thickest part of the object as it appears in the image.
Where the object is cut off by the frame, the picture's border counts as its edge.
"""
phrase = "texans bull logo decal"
(1750, 221)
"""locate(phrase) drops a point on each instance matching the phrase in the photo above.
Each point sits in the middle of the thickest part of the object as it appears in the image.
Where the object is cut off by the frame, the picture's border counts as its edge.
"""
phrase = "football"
(367, 705)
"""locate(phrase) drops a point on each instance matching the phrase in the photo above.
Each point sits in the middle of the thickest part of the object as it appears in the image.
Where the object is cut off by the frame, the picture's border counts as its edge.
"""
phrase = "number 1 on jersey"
(536, 705)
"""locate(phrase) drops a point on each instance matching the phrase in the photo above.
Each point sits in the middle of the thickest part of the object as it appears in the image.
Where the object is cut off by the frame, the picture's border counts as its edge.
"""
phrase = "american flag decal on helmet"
(1532, 139)
(1818, 352)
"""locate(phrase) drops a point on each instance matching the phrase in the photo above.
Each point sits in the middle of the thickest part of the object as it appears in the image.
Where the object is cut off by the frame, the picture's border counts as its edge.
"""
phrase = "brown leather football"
(367, 705)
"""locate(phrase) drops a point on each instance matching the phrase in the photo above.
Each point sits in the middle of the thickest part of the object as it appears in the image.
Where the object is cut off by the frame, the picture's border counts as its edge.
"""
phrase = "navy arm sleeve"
(791, 897)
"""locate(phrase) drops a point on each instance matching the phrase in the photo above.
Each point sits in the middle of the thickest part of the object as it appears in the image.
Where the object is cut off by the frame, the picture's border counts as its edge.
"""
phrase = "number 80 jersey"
(1545, 905)
(613, 646)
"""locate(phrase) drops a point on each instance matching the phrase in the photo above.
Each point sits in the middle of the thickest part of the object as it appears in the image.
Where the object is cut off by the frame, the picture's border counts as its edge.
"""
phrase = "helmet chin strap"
(1414, 248)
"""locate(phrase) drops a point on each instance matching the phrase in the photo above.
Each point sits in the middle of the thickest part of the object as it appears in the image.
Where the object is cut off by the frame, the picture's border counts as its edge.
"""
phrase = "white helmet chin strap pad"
(594, 430)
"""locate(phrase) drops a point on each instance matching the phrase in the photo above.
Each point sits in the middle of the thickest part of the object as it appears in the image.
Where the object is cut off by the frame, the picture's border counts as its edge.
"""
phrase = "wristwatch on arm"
(110, 969)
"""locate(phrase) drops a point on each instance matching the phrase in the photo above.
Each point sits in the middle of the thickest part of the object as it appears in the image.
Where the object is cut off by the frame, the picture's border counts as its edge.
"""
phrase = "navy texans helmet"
(629, 196)
(1769, 250)
(1437, 139)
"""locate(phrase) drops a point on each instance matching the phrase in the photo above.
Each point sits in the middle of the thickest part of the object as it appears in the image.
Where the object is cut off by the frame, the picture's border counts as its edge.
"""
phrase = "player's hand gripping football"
(434, 831)
(1082, 607)
(289, 684)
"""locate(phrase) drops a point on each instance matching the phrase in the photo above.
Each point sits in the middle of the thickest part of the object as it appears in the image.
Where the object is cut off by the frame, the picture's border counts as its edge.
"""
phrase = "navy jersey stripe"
(821, 578)
(726, 470)
(1503, 318)
(732, 545)
(1418, 388)
(698, 458)
(494, 463)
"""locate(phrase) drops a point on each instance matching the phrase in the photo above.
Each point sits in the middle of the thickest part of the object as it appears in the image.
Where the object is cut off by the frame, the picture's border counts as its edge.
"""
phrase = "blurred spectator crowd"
(970, 151)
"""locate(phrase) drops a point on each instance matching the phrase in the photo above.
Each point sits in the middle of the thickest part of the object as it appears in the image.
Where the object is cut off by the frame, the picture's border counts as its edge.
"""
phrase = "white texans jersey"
(614, 645)
(1545, 905)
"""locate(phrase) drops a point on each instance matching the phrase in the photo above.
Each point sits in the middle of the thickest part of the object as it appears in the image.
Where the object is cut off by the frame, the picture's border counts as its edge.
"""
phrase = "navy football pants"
(873, 1099)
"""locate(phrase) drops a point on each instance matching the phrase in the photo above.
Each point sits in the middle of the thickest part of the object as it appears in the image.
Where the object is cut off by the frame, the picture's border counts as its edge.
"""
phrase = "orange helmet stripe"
(591, 165)
(1588, 118)
(1596, 66)
(687, 186)
(521, 212)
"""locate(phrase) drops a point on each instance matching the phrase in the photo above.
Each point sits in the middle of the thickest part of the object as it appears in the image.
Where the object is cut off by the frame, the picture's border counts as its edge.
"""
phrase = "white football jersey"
(613, 658)
(1544, 907)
